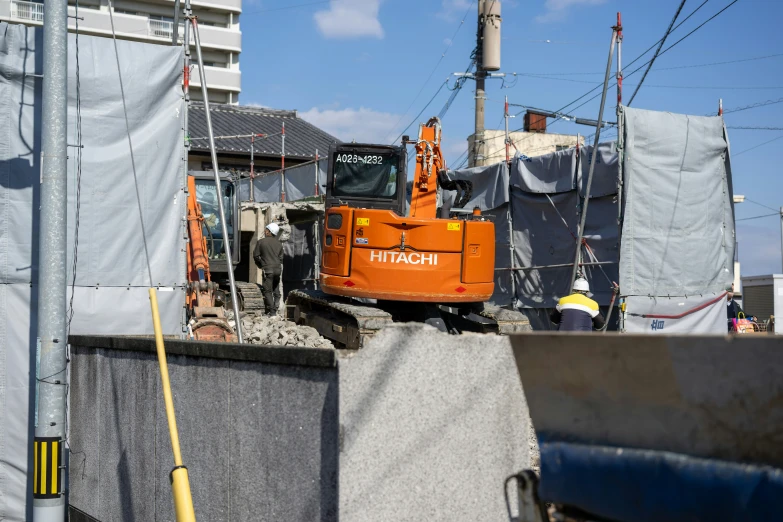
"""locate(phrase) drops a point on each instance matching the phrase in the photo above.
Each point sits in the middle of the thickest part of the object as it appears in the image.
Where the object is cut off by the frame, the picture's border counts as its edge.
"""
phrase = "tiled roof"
(301, 137)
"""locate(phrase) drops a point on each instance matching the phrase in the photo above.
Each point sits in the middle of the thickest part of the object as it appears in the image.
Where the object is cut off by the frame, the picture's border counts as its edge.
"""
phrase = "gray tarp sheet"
(604, 172)
(547, 196)
(111, 275)
(678, 231)
(490, 186)
(299, 184)
(549, 174)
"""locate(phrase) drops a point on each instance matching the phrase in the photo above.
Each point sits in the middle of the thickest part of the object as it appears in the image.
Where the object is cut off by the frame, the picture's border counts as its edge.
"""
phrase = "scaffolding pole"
(282, 169)
(580, 231)
(316, 173)
(620, 145)
(218, 188)
(252, 169)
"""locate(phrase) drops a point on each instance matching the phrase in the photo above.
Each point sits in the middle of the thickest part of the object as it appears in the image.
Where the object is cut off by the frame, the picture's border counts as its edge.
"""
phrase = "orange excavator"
(381, 264)
(206, 320)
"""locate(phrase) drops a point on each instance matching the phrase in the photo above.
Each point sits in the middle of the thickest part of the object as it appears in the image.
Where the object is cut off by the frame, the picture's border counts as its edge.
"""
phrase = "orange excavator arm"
(208, 321)
(429, 163)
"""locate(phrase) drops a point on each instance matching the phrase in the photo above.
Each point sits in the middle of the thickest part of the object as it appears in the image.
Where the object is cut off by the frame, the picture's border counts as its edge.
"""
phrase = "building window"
(558, 148)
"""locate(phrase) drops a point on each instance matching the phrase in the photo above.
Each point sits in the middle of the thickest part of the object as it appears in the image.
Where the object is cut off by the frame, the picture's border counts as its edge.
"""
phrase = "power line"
(560, 118)
(442, 56)
(759, 217)
(718, 87)
(415, 118)
(757, 146)
(753, 106)
(757, 128)
(760, 204)
(691, 66)
(657, 51)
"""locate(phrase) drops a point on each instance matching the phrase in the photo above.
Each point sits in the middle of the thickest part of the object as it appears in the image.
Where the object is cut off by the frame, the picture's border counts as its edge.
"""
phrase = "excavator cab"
(372, 249)
(367, 176)
(212, 229)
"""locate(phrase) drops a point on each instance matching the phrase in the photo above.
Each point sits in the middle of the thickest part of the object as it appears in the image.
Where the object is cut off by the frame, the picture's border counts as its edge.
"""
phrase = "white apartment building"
(153, 21)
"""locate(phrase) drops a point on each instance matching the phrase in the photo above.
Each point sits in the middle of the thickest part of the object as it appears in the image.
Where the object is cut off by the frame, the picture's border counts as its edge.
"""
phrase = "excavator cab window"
(213, 230)
(367, 176)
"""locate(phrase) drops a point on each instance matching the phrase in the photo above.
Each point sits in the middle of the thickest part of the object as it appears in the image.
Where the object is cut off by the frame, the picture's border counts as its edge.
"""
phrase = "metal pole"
(48, 498)
(478, 133)
(282, 168)
(505, 116)
(218, 189)
(620, 144)
(252, 170)
(720, 107)
(580, 231)
(175, 29)
(781, 233)
(316, 172)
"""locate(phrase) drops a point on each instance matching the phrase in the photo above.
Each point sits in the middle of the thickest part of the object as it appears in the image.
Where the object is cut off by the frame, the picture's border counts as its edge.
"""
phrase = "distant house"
(302, 139)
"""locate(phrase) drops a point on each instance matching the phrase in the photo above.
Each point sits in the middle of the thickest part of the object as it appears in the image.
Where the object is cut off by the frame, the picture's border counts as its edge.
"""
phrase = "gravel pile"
(276, 331)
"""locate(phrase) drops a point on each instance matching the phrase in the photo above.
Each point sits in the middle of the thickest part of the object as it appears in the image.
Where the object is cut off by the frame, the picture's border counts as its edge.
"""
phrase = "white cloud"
(362, 125)
(557, 10)
(350, 19)
(454, 9)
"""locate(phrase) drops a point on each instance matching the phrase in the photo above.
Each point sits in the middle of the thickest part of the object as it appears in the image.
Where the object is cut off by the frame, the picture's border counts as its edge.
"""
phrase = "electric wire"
(759, 217)
(757, 146)
(415, 118)
(442, 56)
(690, 66)
(130, 144)
(756, 128)
(644, 64)
(760, 204)
(752, 106)
(657, 51)
(75, 254)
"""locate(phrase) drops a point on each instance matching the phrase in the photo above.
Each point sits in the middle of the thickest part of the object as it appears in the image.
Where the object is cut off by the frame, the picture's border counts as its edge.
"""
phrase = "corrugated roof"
(301, 138)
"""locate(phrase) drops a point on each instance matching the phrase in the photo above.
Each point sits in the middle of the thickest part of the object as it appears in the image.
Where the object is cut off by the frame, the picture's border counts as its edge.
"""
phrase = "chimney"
(535, 122)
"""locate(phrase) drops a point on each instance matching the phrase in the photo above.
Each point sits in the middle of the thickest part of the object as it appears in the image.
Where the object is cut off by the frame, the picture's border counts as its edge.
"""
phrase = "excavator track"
(250, 296)
(341, 320)
(351, 324)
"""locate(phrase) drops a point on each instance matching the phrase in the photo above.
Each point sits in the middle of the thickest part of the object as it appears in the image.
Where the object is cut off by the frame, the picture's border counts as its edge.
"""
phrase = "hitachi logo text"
(414, 258)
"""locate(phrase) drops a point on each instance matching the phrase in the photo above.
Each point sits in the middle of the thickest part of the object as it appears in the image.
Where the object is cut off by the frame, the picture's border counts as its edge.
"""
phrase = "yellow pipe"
(180, 485)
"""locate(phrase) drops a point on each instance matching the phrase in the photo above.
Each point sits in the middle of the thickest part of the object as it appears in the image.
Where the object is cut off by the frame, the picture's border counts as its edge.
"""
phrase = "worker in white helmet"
(268, 256)
(577, 312)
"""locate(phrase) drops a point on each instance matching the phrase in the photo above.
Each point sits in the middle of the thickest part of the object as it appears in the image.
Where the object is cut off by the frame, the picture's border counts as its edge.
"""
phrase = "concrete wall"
(416, 425)
(528, 143)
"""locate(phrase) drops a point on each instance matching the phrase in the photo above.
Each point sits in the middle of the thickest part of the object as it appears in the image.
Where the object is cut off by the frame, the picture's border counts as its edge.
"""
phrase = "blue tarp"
(633, 485)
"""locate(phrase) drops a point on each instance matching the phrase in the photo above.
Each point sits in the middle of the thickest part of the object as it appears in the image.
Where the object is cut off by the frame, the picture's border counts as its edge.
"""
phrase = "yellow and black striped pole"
(180, 484)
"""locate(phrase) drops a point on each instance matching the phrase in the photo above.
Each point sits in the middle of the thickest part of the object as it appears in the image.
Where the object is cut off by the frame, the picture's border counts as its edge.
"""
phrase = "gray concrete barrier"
(417, 425)
(704, 396)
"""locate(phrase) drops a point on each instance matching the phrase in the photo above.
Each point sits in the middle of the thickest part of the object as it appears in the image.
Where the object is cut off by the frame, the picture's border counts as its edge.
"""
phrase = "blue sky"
(354, 67)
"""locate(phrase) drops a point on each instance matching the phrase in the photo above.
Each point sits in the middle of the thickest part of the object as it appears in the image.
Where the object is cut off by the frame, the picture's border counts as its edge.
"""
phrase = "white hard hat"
(273, 228)
(581, 285)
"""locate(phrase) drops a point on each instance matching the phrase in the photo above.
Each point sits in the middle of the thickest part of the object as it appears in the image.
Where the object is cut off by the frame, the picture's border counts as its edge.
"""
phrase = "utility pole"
(49, 472)
(478, 132)
(487, 59)
(781, 234)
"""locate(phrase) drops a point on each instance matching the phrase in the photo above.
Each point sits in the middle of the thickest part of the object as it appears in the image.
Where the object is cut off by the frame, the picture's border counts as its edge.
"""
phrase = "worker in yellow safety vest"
(577, 312)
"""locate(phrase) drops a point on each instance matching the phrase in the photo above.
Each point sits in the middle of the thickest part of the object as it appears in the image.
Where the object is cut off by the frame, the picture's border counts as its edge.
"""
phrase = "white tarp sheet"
(111, 275)
(704, 314)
